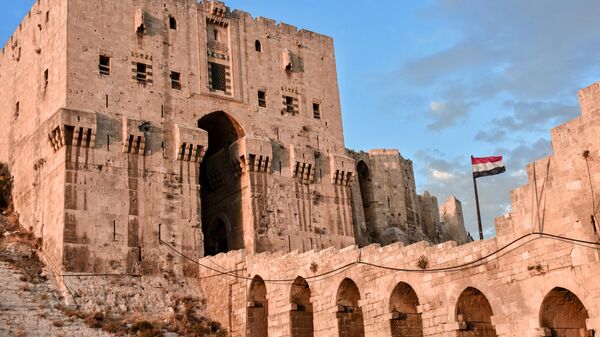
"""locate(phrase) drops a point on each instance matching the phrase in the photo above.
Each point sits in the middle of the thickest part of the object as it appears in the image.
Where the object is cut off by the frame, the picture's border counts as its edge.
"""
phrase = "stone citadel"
(186, 141)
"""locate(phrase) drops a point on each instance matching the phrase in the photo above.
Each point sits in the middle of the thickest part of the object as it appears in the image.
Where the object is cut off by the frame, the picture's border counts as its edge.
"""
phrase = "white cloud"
(444, 115)
(442, 175)
(519, 173)
(436, 106)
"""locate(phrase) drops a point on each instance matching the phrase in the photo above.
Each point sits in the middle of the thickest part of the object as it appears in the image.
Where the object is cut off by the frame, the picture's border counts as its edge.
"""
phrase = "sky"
(442, 80)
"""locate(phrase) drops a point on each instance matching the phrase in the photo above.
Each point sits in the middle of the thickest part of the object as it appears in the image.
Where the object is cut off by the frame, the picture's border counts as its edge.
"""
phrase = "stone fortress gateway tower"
(126, 120)
(133, 125)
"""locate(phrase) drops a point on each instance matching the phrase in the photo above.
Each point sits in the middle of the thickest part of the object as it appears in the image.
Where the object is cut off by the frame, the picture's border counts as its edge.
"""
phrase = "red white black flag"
(487, 166)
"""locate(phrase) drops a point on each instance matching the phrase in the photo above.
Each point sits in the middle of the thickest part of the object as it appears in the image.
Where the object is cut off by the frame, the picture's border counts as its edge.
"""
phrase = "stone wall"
(111, 153)
(533, 279)
(514, 283)
(33, 88)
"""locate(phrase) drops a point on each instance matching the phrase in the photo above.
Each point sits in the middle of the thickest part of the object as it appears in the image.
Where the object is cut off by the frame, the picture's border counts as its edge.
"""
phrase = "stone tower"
(451, 214)
(129, 119)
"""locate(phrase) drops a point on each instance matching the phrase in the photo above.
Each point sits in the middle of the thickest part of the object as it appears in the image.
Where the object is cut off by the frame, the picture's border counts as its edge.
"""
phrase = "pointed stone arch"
(563, 314)
(349, 314)
(405, 318)
(301, 315)
(220, 180)
(474, 314)
(257, 309)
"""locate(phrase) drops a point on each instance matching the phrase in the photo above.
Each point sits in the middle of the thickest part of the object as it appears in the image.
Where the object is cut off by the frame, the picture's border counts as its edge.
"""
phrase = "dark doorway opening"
(221, 185)
(366, 194)
(219, 241)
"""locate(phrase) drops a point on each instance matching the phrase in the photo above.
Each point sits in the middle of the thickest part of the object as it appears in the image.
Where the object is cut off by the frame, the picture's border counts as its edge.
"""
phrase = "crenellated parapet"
(453, 287)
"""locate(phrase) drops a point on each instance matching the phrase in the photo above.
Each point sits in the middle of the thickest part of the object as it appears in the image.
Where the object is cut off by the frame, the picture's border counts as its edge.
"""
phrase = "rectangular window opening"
(172, 23)
(47, 16)
(289, 104)
(175, 80)
(104, 65)
(262, 99)
(218, 78)
(317, 110)
(141, 72)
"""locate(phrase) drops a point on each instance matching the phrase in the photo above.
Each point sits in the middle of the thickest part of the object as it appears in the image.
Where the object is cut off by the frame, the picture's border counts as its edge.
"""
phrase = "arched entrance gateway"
(563, 315)
(406, 320)
(349, 314)
(474, 314)
(221, 185)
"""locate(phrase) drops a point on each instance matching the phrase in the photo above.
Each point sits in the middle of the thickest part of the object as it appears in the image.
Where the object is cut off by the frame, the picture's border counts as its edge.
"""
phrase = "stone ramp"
(31, 310)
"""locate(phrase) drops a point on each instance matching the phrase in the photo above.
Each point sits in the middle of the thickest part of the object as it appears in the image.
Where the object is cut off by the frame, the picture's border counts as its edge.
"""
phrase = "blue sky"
(443, 79)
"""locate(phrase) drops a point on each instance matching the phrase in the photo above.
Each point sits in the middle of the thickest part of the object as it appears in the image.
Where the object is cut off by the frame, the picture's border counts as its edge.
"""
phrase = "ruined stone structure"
(452, 216)
(209, 128)
(147, 138)
(386, 207)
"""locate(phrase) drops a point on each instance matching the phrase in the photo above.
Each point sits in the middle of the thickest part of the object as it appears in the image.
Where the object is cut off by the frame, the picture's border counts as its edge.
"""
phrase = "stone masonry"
(182, 145)
(130, 122)
(537, 277)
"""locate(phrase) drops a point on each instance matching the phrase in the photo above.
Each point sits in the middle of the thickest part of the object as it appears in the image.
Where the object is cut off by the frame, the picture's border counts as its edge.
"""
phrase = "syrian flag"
(487, 166)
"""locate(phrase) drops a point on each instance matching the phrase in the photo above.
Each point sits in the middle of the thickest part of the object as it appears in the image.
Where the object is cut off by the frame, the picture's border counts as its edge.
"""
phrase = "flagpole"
(477, 204)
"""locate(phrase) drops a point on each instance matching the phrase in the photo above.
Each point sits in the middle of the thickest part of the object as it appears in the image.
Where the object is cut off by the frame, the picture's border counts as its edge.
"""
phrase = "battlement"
(439, 276)
(274, 27)
(589, 99)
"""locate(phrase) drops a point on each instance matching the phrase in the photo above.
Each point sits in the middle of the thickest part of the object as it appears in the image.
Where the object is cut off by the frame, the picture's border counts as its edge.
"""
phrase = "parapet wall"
(513, 279)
